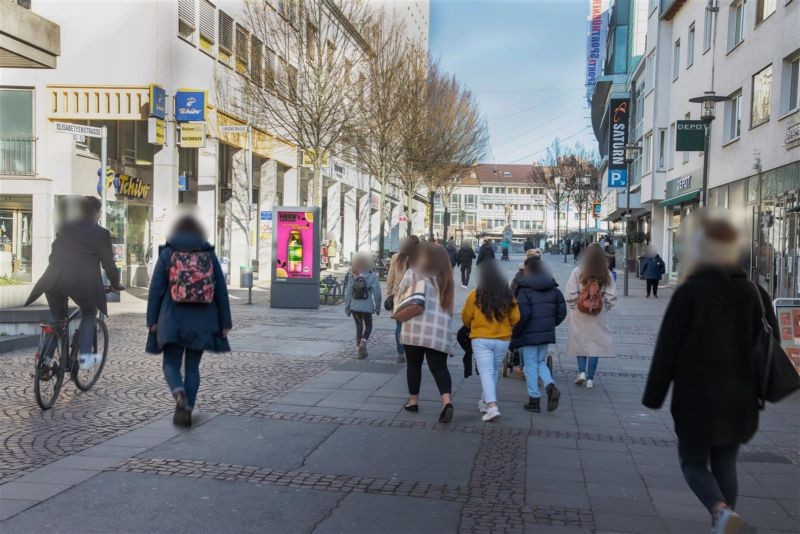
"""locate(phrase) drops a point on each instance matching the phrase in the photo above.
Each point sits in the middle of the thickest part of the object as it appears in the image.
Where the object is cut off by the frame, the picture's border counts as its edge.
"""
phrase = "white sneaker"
(581, 379)
(88, 360)
(728, 522)
(482, 406)
(463, 286)
(589, 384)
(491, 414)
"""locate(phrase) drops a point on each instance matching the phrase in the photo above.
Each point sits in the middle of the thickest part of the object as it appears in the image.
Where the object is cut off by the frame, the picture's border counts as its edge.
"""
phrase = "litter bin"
(246, 281)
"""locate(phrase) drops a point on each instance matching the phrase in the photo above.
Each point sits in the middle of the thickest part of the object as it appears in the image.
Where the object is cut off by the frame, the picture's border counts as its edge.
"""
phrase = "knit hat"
(708, 238)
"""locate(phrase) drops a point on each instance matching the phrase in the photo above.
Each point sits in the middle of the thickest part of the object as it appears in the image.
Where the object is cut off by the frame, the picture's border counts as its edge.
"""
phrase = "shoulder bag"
(412, 302)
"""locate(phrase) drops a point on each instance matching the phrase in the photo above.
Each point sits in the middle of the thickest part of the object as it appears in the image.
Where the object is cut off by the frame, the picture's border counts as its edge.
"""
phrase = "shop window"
(225, 38)
(762, 91)
(143, 149)
(17, 140)
(764, 8)
(208, 26)
(733, 116)
(187, 24)
(187, 169)
(790, 84)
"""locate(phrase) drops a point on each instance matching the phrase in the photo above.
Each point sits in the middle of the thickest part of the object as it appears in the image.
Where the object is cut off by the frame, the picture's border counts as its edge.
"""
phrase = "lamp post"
(631, 151)
(708, 103)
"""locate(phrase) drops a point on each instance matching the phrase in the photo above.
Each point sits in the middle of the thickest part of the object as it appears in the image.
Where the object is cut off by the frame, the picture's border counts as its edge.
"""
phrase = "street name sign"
(79, 129)
(233, 129)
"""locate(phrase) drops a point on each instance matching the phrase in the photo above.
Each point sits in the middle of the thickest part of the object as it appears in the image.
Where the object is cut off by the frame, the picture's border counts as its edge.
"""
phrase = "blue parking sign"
(617, 178)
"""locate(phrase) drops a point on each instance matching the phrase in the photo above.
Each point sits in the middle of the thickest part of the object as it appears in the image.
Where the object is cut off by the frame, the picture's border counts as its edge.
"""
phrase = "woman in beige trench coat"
(589, 336)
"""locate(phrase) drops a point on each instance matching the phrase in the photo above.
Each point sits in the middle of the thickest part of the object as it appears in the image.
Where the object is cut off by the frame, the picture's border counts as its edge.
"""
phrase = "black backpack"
(360, 288)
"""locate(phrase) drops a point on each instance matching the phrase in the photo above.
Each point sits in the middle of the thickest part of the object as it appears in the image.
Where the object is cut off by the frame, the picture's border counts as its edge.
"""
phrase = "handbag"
(776, 376)
(412, 303)
(388, 304)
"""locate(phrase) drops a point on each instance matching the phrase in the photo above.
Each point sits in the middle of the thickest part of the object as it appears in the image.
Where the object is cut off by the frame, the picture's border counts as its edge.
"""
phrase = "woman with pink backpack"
(590, 294)
(188, 311)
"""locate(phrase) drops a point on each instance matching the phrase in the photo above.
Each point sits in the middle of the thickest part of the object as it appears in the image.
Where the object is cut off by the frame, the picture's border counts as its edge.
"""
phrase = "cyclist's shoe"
(88, 360)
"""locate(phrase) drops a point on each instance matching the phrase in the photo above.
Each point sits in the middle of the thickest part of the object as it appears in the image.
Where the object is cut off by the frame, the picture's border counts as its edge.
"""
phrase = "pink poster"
(294, 258)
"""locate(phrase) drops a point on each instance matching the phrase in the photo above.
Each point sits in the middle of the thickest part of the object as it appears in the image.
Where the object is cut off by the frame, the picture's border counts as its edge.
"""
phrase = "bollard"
(246, 280)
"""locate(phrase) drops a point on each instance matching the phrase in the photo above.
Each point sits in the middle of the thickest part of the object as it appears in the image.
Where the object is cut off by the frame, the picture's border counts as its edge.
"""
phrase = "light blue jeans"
(489, 354)
(535, 358)
(590, 368)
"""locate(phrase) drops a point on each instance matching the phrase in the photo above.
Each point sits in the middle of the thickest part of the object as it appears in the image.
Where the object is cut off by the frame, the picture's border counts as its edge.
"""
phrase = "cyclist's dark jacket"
(78, 251)
(194, 326)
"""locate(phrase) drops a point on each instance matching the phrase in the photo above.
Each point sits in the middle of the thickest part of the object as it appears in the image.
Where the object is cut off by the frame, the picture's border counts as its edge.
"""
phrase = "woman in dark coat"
(653, 267)
(465, 258)
(182, 330)
(704, 351)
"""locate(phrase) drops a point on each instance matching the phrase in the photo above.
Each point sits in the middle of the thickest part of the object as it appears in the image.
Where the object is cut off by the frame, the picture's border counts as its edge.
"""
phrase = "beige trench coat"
(589, 335)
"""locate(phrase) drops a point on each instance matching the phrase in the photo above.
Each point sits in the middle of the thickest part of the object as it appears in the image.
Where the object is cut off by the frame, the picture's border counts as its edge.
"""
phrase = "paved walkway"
(297, 436)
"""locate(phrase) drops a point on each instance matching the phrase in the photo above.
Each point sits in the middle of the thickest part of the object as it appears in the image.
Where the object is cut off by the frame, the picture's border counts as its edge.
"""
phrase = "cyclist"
(80, 248)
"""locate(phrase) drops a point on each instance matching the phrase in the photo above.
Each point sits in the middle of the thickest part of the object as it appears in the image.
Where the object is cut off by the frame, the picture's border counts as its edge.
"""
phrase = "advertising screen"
(789, 323)
(294, 255)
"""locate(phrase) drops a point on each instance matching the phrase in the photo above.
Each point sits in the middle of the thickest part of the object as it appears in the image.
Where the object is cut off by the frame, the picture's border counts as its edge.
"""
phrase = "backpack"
(191, 277)
(360, 288)
(590, 298)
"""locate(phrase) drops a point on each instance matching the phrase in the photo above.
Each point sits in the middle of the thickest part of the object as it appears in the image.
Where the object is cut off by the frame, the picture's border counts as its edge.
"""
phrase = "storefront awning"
(680, 198)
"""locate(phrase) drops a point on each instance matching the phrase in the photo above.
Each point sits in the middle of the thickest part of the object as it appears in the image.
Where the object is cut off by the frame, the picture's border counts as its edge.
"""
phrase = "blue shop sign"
(190, 106)
(158, 101)
(183, 183)
(617, 178)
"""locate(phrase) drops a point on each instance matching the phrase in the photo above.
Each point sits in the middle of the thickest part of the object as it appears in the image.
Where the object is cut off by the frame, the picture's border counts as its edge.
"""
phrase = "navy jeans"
(588, 365)
(190, 382)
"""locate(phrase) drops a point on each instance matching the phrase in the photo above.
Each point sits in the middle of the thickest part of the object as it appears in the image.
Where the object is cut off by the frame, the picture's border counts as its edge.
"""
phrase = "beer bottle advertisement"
(295, 241)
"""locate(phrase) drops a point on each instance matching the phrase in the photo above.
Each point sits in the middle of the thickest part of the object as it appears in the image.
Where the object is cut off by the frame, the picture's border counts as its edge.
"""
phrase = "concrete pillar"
(241, 228)
(374, 222)
(268, 190)
(206, 188)
(418, 218)
(333, 220)
(165, 186)
(397, 229)
(291, 187)
(364, 222)
(41, 232)
(350, 229)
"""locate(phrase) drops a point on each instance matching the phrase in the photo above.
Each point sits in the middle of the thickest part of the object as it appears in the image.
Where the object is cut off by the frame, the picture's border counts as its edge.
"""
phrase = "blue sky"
(525, 62)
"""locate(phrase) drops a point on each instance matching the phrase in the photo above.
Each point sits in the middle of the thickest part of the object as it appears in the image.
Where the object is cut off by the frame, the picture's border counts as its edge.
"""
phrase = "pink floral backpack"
(191, 277)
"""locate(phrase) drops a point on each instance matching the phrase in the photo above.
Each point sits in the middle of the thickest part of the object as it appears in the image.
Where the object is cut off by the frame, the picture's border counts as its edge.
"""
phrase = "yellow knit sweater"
(481, 327)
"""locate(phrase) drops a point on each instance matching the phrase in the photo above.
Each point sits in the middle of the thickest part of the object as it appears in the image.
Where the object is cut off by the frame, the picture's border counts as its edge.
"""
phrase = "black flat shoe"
(447, 414)
(413, 408)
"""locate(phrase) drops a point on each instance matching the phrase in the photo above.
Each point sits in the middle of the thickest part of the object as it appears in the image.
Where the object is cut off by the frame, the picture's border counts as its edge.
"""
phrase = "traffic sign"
(79, 129)
(233, 129)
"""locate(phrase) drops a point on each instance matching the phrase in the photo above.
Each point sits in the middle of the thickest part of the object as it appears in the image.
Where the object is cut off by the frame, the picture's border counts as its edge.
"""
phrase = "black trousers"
(652, 284)
(363, 325)
(466, 270)
(59, 307)
(720, 484)
(437, 363)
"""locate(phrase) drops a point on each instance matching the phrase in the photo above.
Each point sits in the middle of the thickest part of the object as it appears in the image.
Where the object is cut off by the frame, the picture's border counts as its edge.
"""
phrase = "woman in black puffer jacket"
(542, 308)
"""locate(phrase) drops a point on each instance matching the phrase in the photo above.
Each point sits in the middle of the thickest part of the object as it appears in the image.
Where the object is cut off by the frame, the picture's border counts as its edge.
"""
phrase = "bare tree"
(547, 174)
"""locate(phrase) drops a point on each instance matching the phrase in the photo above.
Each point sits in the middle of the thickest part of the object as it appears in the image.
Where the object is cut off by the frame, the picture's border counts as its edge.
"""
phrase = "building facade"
(172, 140)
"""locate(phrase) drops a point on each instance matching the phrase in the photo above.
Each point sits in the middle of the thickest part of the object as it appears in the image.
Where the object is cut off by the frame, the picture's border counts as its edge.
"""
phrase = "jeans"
(489, 354)
(437, 363)
(715, 486)
(363, 325)
(190, 383)
(592, 367)
(59, 308)
(397, 330)
(652, 283)
(614, 274)
(466, 270)
(535, 366)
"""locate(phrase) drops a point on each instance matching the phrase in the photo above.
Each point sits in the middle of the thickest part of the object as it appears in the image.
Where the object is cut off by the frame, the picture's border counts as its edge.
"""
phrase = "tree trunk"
(431, 200)
(445, 222)
(409, 211)
(382, 208)
(317, 198)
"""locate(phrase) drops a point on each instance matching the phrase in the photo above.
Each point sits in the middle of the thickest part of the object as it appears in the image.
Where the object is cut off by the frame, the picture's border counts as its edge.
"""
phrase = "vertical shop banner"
(595, 44)
(789, 323)
(294, 257)
(617, 139)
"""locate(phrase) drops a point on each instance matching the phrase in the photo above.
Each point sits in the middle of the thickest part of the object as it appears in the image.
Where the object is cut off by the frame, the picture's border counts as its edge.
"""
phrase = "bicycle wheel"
(48, 375)
(86, 378)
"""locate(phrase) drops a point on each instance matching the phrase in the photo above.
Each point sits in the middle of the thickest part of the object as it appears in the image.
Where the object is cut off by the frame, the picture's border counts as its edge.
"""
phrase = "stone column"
(268, 188)
(165, 186)
(350, 228)
(333, 222)
(207, 188)
(365, 229)
(291, 187)
(241, 227)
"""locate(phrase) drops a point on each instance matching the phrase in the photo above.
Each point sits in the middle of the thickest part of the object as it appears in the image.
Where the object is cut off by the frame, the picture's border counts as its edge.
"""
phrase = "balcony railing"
(17, 154)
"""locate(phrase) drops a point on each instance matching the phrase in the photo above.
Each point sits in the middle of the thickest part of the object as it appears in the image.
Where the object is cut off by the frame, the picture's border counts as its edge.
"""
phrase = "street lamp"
(631, 151)
(708, 104)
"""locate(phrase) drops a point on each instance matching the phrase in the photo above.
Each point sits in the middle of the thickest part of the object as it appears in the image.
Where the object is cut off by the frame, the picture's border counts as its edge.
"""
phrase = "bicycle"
(57, 354)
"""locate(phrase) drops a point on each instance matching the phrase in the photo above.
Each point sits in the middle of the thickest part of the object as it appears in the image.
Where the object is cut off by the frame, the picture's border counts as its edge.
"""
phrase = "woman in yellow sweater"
(490, 312)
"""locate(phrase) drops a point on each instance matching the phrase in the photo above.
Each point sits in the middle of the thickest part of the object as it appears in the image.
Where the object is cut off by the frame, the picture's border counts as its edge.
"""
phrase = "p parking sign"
(617, 178)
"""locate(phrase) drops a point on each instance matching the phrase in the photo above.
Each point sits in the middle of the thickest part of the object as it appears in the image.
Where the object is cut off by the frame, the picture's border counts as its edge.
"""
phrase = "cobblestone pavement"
(297, 436)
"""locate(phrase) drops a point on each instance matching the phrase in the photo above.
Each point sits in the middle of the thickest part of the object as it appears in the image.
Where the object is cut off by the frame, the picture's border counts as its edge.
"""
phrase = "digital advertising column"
(295, 257)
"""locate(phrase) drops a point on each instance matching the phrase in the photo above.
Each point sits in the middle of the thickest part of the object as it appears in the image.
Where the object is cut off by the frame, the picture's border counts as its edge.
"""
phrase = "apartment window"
(764, 8)
(437, 219)
(225, 37)
(736, 24)
(651, 5)
(663, 149)
(676, 60)
(470, 201)
(269, 69)
(469, 219)
(288, 8)
(670, 151)
(208, 26)
(242, 50)
(690, 47)
(186, 20)
(454, 218)
(650, 71)
(311, 42)
(486, 190)
(17, 140)
(733, 116)
(762, 90)
(454, 198)
(685, 155)
(291, 79)
(256, 61)
(708, 29)
(790, 84)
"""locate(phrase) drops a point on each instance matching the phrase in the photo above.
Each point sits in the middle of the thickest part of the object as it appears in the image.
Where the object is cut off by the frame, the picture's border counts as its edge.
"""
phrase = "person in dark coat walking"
(180, 330)
(528, 245)
(704, 351)
(80, 248)
(653, 268)
(486, 252)
(465, 258)
(542, 307)
(452, 252)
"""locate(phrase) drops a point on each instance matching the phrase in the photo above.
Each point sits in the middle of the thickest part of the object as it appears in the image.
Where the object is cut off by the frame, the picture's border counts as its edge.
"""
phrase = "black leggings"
(652, 283)
(437, 363)
(719, 484)
(465, 272)
(363, 325)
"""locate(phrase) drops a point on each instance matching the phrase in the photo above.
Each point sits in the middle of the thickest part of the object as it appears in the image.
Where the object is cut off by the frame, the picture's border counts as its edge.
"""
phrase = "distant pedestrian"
(590, 294)
(705, 350)
(505, 246)
(188, 311)
(465, 258)
(452, 252)
(362, 299)
(611, 258)
(528, 244)
(486, 252)
(403, 260)
(490, 312)
(333, 253)
(428, 335)
(653, 268)
(576, 251)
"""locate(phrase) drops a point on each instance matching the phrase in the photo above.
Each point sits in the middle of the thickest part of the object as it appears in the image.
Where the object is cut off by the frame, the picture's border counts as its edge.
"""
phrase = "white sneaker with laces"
(580, 379)
(589, 384)
(87, 361)
(491, 414)
(482, 406)
(727, 522)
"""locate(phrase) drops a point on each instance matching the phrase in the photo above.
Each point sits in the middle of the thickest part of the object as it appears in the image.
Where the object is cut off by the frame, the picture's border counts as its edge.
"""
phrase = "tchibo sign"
(190, 106)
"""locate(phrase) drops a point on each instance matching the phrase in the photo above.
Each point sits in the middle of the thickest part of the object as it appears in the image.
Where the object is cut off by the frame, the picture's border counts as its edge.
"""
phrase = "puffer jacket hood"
(542, 307)
(538, 282)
